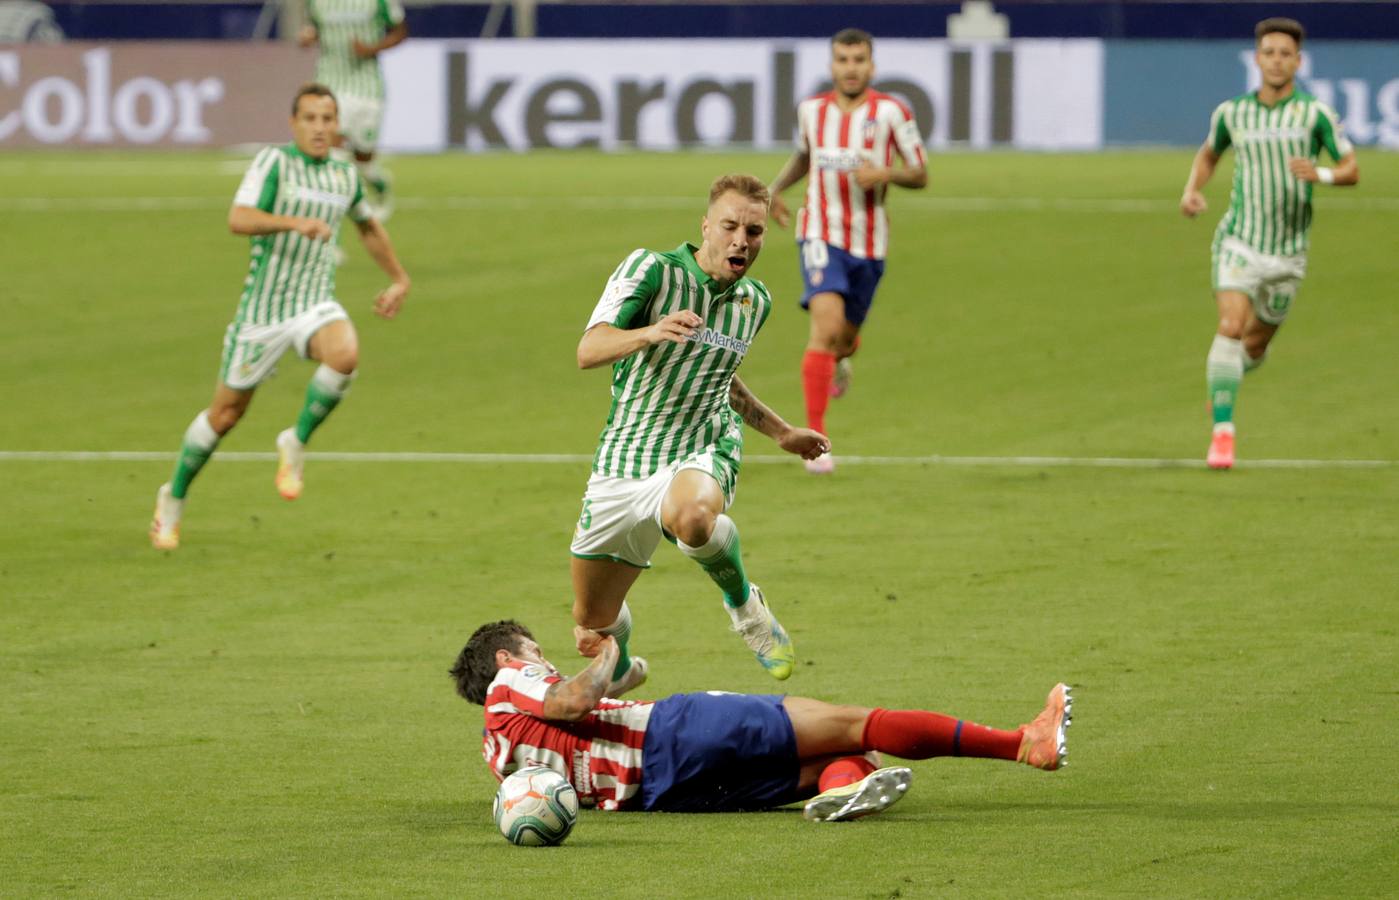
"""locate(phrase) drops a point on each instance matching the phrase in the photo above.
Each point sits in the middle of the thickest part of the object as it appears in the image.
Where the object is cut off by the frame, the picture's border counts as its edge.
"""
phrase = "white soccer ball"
(536, 807)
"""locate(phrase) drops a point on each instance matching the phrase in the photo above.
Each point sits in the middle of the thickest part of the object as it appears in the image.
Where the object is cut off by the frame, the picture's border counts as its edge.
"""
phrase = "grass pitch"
(266, 711)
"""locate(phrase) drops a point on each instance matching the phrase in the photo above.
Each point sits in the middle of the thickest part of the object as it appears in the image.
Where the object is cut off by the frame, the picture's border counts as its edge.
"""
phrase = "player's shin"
(1224, 369)
(917, 734)
(722, 561)
(324, 392)
(198, 445)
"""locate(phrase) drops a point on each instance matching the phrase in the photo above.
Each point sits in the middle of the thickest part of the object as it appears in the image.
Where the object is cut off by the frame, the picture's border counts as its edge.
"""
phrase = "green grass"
(266, 712)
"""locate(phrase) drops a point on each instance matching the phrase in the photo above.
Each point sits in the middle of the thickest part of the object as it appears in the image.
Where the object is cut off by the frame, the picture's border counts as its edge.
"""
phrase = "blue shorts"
(827, 269)
(719, 752)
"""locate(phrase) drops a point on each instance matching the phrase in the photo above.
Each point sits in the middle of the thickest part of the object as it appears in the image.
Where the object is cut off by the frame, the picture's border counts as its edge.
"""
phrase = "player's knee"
(1232, 327)
(694, 523)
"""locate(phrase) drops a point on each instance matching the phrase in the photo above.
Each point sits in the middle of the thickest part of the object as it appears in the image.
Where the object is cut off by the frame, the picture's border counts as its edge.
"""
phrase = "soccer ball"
(536, 807)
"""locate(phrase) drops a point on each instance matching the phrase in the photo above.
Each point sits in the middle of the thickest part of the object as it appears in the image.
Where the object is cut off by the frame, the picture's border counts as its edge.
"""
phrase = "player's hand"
(804, 442)
(306, 36)
(779, 212)
(589, 642)
(677, 328)
(1192, 203)
(390, 300)
(314, 229)
(363, 50)
(869, 177)
(1304, 169)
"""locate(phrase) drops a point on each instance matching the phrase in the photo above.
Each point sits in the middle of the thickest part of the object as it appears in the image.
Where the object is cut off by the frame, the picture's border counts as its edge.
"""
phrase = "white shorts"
(250, 352)
(360, 121)
(1271, 282)
(621, 518)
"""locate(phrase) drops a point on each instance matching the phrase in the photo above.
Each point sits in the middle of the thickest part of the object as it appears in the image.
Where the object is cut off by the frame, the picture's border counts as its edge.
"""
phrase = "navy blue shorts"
(719, 752)
(830, 269)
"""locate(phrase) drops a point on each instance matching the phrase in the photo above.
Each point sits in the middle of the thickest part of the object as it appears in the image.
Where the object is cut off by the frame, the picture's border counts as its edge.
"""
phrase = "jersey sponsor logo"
(837, 159)
(312, 195)
(711, 338)
(1270, 134)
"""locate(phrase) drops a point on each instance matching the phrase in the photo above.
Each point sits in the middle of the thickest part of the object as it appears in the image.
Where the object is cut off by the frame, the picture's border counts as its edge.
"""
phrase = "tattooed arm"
(803, 442)
(573, 698)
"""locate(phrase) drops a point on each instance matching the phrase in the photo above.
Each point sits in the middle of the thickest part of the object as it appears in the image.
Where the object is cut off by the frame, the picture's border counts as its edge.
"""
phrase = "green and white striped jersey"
(289, 273)
(1270, 209)
(338, 23)
(670, 401)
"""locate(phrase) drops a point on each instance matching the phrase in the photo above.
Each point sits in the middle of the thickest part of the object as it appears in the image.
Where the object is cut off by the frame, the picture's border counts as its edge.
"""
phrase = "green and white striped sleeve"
(632, 286)
(390, 13)
(259, 186)
(1330, 134)
(1219, 138)
(360, 210)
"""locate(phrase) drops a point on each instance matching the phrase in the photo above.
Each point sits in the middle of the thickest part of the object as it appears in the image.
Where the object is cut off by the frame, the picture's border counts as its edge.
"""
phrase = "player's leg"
(200, 439)
(1224, 370)
(362, 118)
(692, 511)
(600, 588)
(336, 347)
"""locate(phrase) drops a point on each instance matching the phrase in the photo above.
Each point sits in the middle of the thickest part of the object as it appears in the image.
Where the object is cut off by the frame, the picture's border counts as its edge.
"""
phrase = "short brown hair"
(749, 186)
(314, 90)
(1278, 25)
(475, 667)
(853, 36)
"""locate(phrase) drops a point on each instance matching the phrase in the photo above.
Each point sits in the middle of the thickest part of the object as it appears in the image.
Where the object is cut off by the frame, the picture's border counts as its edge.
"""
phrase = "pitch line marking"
(1092, 462)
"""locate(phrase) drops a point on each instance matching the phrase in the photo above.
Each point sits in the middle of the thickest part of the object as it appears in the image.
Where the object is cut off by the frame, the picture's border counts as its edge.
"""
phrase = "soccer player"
(675, 326)
(1260, 246)
(351, 34)
(715, 751)
(847, 141)
(291, 202)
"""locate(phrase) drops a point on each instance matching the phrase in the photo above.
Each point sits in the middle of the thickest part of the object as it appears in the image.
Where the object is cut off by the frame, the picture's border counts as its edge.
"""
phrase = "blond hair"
(749, 186)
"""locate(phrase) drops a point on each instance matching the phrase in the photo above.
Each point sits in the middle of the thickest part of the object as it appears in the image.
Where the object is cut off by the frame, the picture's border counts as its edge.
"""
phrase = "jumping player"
(847, 141)
(1260, 246)
(674, 327)
(291, 203)
(715, 751)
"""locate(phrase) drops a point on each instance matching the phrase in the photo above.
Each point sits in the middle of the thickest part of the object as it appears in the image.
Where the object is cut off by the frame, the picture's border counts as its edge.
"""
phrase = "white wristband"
(1326, 176)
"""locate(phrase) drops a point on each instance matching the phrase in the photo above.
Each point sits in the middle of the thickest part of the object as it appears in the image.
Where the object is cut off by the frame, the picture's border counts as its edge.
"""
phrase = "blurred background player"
(716, 751)
(351, 34)
(674, 327)
(291, 202)
(847, 140)
(1260, 246)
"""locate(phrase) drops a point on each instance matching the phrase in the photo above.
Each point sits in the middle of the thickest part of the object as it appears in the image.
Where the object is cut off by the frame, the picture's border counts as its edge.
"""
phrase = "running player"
(675, 326)
(847, 141)
(291, 202)
(715, 751)
(1260, 246)
(351, 34)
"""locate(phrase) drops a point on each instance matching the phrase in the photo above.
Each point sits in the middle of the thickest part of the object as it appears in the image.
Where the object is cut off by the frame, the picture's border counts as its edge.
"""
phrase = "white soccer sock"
(719, 539)
(622, 626)
(331, 381)
(200, 434)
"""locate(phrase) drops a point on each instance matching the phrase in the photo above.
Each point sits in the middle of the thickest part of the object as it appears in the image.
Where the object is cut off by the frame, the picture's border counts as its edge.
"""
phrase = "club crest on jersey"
(869, 131)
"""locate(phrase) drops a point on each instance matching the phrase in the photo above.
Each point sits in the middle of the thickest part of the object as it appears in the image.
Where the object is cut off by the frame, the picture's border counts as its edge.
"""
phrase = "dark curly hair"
(475, 667)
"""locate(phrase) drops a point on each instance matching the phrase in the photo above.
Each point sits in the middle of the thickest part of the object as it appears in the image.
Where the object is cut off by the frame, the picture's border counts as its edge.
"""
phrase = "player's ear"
(502, 657)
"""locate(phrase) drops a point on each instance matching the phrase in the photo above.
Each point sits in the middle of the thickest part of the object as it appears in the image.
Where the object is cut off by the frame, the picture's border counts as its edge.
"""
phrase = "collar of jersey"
(686, 252)
(1281, 103)
(294, 150)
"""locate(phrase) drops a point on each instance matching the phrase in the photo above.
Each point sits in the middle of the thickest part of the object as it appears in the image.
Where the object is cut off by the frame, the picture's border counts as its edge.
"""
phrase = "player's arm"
(573, 698)
(1192, 199)
(1345, 173)
(795, 169)
(908, 140)
(249, 220)
(604, 344)
(869, 176)
(756, 414)
(376, 241)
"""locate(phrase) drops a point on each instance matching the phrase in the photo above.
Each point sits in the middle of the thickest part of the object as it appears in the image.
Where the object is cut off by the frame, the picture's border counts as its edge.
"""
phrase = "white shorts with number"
(360, 121)
(1271, 282)
(621, 518)
(250, 352)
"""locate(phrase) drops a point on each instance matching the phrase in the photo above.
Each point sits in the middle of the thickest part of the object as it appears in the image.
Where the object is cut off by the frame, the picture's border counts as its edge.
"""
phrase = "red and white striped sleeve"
(519, 689)
(907, 138)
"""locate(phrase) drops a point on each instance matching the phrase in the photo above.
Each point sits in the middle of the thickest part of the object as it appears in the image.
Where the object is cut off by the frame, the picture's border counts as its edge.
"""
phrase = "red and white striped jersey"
(837, 211)
(600, 754)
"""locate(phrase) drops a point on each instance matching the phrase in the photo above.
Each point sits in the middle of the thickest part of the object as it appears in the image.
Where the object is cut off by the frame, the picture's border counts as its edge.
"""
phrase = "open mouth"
(738, 263)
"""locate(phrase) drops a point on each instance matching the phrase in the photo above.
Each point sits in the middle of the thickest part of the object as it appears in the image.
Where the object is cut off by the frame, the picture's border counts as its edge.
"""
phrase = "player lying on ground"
(290, 203)
(713, 751)
(675, 327)
(1260, 246)
(846, 142)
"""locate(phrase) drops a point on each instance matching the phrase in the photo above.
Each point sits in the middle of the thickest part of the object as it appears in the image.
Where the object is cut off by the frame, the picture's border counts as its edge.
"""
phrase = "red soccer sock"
(818, 368)
(915, 734)
(846, 770)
